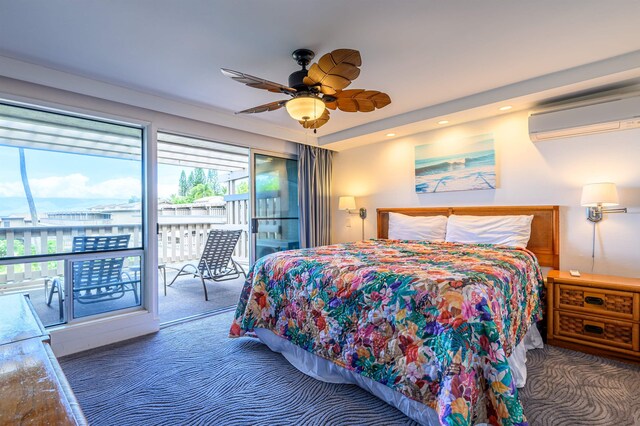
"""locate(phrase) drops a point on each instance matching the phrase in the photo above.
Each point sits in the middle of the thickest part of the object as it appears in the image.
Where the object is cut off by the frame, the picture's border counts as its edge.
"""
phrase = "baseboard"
(69, 339)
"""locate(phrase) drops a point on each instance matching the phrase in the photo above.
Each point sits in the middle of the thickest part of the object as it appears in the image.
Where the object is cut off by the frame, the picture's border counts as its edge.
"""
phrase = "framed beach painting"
(462, 165)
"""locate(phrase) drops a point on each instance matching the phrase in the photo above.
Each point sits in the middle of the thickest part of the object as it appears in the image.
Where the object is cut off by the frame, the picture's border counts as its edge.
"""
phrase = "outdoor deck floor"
(184, 298)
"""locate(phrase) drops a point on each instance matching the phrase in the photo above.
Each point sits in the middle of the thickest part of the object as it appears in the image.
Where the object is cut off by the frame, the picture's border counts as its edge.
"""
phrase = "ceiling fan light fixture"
(305, 107)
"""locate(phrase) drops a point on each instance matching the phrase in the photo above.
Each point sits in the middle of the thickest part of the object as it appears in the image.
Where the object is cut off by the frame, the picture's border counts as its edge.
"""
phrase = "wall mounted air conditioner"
(585, 118)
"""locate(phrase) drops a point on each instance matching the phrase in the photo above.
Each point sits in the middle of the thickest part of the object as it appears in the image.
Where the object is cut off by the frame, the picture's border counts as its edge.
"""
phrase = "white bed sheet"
(327, 371)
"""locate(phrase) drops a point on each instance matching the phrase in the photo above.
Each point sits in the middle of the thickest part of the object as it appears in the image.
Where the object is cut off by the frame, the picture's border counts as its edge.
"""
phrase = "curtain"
(314, 194)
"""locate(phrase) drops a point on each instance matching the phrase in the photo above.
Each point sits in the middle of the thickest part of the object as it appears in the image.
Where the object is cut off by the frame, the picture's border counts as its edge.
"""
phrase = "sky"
(64, 175)
(445, 147)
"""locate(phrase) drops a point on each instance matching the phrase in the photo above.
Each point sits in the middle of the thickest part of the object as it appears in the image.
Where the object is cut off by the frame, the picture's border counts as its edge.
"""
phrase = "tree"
(201, 190)
(242, 187)
(198, 177)
(214, 183)
(183, 188)
(190, 181)
(27, 188)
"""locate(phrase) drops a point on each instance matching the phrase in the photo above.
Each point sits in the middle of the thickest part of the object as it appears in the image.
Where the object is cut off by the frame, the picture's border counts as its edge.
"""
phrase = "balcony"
(181, 239)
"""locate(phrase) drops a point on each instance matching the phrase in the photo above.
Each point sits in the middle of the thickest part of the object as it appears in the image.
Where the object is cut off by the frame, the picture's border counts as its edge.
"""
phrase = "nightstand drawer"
(597, 301)
(605, 331)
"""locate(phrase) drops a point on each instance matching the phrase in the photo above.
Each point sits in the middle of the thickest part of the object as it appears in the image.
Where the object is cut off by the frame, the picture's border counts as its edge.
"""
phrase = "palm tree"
(481, 176)
(27, 188)
(443, 180)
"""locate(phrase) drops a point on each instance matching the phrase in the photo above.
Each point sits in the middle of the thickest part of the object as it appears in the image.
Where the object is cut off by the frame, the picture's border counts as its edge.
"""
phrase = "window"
(70, 192)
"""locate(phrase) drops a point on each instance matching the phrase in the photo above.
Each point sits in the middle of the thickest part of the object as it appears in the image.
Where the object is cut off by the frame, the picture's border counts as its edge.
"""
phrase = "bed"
(434, 328)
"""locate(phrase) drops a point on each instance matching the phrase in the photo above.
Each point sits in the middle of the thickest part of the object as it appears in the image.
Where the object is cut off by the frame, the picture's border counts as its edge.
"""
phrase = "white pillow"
(428, 228)
(513, 231)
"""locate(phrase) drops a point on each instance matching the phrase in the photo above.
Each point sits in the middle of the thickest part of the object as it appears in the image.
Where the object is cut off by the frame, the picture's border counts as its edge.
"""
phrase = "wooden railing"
(38, 240)
(180, 242)
(177, 242)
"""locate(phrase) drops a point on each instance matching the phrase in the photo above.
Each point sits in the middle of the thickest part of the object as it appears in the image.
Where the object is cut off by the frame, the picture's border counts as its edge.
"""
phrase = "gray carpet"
(192, 374)
(571, 388)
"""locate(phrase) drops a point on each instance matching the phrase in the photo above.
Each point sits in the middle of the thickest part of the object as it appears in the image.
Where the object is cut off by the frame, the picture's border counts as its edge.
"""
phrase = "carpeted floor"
(192, 374)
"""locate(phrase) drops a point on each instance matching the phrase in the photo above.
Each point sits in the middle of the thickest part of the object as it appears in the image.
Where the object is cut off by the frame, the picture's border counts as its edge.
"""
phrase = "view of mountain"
(18, 205)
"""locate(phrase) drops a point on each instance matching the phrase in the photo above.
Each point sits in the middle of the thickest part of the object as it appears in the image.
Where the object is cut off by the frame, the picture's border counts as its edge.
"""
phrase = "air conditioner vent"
(597, 117)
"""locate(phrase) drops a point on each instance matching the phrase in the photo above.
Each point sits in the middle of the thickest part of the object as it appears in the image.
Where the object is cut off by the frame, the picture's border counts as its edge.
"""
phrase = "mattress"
(434, 322)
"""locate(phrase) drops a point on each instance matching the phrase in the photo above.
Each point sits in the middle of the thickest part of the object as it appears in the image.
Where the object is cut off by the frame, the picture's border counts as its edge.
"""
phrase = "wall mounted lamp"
(596, 196)
(348, 203)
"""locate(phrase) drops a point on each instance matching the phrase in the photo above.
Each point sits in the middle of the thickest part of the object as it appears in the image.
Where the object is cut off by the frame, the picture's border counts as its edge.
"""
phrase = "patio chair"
(216, 263)
(96, 280)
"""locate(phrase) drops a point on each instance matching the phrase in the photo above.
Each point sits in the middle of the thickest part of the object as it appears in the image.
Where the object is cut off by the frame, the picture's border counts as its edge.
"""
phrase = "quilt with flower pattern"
(433, 321)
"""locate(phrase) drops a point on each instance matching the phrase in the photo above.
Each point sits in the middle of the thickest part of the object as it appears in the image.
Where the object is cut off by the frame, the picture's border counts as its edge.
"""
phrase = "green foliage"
(242, 187)
(214, 182)
(18, 250)
(196, 186)
(267, 182)
(200, 190)
(198, 177)
(177, 199)
(190, 181)
(183, 186)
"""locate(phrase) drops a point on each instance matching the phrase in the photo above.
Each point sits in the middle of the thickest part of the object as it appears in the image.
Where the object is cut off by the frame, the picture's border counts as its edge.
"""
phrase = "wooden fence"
(180, 240)
(177, 243)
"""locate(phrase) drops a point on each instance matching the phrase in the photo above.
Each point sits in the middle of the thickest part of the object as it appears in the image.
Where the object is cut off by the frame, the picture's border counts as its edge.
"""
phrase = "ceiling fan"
(315, 90)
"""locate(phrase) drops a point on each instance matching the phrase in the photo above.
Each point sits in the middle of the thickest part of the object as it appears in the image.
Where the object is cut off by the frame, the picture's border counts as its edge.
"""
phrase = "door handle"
(254, 226)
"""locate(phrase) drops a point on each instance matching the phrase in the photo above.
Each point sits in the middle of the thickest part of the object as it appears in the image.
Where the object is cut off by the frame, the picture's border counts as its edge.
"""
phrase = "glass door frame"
(252, 192)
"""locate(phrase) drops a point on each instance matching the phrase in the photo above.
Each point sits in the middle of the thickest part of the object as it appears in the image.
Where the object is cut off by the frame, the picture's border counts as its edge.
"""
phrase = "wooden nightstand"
(598, 314)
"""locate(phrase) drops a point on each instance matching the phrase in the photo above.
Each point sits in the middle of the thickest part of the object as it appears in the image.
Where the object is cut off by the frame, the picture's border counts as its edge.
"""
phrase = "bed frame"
(545, 228)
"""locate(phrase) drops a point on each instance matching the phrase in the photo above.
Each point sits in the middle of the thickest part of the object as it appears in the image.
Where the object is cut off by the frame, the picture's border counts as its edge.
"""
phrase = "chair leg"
(60, 304)
(54, 284)
(206, 296)
(237, 266)
(135, 292)
(180, 273)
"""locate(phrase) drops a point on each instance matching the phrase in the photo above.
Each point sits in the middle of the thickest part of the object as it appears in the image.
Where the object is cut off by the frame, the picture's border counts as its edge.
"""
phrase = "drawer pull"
(589, 328)
(594, 300)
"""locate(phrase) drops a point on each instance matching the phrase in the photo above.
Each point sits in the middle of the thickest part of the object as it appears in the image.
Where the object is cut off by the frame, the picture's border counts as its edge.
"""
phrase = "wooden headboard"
(545, 228)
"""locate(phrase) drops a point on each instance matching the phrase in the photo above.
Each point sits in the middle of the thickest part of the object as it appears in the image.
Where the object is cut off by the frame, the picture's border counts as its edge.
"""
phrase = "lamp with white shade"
(595, 196)
(348, 203)
(305, 107)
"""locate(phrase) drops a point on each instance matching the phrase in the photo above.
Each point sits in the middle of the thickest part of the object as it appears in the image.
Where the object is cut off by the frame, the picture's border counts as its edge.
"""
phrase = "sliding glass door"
(71, 223)
(202, 187)
(274, 204)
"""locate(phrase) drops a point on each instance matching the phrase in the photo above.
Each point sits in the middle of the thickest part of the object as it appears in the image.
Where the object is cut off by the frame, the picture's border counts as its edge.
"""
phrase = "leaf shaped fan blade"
(257, 82)
(319, 122)
(335, 71)
(355, 100)
(264, 108)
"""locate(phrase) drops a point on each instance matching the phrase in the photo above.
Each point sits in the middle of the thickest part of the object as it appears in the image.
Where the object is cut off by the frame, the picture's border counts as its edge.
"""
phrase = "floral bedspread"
(433, 321)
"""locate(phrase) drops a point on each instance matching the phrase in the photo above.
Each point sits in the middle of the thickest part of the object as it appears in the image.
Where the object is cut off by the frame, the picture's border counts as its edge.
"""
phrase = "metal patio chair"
(216, 263)
(96, 280)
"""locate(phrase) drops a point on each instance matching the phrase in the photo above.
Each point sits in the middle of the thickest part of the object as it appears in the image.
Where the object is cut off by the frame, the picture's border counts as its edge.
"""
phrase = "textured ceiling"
(422, 53)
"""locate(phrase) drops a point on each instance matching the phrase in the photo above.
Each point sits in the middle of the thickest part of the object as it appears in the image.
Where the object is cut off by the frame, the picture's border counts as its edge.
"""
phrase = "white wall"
(545, 173)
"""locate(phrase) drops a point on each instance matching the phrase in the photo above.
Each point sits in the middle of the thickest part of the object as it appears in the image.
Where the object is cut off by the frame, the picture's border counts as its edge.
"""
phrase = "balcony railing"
(180, 239)
(177, 242)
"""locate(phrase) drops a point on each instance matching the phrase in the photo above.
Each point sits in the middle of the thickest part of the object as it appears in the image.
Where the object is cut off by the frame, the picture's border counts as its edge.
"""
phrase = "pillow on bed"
(513, 231)
(426, 228)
